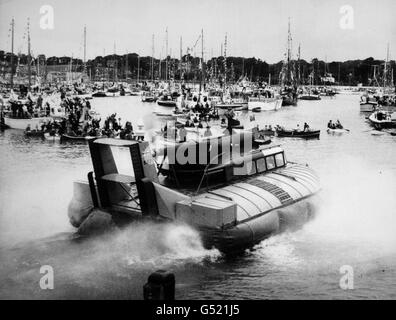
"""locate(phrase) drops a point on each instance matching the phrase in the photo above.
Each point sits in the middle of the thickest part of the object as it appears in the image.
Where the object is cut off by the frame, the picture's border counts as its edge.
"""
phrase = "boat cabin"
(128, 178)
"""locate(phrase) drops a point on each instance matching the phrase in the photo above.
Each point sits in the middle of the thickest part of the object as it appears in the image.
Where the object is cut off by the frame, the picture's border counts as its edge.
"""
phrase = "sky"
(255, 28)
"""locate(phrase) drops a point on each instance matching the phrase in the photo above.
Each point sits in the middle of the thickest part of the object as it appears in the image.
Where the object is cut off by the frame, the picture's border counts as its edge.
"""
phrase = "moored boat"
(23, 123)
(382, 119)
(52, 136)
(368, 104)
(257, 104)
(337, 131)
(308, 134)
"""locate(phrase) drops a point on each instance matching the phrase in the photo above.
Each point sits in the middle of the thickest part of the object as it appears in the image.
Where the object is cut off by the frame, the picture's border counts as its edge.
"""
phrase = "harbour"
(244, 186)
(337, 160)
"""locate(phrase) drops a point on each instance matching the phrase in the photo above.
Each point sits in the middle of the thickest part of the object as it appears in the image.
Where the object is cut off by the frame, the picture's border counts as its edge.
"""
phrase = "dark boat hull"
(288, 101)
(298, 134)
(171, 104)
(33, 133)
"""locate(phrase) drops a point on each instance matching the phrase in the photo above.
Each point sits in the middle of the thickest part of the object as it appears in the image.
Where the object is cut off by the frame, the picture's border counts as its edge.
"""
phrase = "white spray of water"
(160, 244)
(355, 220)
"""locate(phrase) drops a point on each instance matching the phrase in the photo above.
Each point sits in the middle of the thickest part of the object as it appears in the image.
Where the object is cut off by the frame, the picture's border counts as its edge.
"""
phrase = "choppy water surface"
(355, 225)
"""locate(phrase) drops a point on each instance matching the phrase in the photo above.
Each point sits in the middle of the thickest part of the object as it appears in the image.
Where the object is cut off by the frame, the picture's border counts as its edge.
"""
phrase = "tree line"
(369, 71)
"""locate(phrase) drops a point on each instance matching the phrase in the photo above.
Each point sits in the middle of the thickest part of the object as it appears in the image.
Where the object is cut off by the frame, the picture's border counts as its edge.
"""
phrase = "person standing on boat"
(306, 127)
(208, 132)
(183, 134)
(230, 117)
(39, 101)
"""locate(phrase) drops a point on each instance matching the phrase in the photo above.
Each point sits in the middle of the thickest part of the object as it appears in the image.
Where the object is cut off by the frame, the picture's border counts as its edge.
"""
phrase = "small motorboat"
(262, 141)
(309, 96)
(34, 133)
(52, 136)
(308, 134)
(337, 130)
(68, 137)
(368, 104)
(99, 94)
(148, 96)
(167, 101)
(257, 104)
(382, 119)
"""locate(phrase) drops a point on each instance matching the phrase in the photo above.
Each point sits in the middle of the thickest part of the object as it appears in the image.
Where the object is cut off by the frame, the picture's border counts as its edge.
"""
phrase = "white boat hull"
(21, 124)
(367, 107)
(55, 137)
(265, 105)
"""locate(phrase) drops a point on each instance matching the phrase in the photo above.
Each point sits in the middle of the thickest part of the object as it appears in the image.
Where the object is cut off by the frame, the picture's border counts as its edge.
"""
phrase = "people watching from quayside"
(208, 132)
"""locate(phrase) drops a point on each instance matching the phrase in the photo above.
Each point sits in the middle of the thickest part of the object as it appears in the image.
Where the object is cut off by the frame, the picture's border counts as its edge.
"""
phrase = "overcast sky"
(255, 27)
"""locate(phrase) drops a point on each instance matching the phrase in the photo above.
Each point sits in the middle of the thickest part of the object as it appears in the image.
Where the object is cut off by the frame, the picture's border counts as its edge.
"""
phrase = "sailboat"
(229, 99)
(287, 76)
(18, 117)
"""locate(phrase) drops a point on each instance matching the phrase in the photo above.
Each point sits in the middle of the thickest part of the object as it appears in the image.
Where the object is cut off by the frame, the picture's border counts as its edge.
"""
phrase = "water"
(355, 224)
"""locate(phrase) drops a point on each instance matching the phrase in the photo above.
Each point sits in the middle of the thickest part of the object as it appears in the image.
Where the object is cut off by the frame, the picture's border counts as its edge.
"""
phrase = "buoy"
(160, 286)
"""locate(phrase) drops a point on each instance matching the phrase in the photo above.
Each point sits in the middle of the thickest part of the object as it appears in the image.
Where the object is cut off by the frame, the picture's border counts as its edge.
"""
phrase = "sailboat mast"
(152, 59)
(85, 48)
(386, 67)
(126, 66)
(166, 55)
(115, 64)
(202, 59)
(288, 51)
(181, 57)
(12, 53)
(138, 69)
(159, 73)
(299, 69)
(29, 56)
(225, 61)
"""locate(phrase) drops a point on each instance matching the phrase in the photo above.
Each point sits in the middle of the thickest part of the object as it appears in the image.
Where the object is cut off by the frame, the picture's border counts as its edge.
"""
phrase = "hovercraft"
(234, 197)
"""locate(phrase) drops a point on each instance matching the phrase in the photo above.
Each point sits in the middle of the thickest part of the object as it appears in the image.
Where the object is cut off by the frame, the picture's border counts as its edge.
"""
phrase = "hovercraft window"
(280, 162)
(261, 165)
(270, 162)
